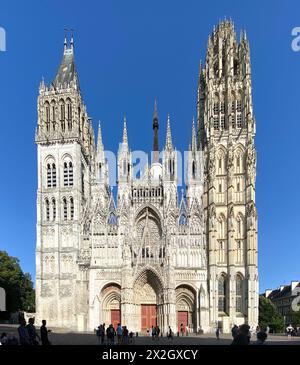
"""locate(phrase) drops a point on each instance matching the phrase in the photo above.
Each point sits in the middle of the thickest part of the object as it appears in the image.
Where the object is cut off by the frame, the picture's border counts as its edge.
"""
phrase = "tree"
(18, 286)
(296, 318)
(269, 316)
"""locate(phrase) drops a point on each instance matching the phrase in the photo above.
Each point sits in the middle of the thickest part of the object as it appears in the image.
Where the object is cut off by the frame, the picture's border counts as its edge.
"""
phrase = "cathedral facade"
(149, 255)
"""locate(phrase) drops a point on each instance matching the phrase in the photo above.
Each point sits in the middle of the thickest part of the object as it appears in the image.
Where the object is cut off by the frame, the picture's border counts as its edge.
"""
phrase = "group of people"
(242, 335)
(28, 335)
(121, 334)
(292, 331)
(155, 332)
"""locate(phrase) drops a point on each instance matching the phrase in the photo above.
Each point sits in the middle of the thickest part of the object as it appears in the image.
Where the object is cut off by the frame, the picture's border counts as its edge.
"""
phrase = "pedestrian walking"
(34, 338)
(23, 333)
(170, 334)
(44, 333)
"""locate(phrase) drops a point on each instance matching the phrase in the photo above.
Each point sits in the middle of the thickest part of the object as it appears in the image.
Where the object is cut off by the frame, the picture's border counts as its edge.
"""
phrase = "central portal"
(148, 316)
(147, 299)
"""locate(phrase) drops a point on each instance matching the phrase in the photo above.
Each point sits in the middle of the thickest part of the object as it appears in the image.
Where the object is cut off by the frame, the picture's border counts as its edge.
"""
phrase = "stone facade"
(151, 255)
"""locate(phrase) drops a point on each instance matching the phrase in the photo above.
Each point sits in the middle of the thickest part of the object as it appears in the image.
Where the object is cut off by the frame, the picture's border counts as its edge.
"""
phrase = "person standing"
(218, 333)
(234, 331)
(182, 329)
(119, 333)
(157, 332)
(153, 333)
(98, 333)
(23, 333)
(44, 333)
(170, 334)
(32, 332)
(125, 335)
(261, 338)
(110, 333)
(243, 336)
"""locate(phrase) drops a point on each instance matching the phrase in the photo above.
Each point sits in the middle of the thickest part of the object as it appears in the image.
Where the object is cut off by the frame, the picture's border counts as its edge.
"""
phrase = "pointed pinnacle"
(194, 142)
(99, 139)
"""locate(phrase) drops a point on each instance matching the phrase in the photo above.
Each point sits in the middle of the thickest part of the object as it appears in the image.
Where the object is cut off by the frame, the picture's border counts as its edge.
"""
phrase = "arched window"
(69, 114)
(47, 112)
(53, 209)
(220, 162)
(239, 294)
(240, 226)
(71, 208)
(47, 210)
(239, 161)
(222, 288)
(51, 175)
(221, 227)
(62, 115)
(53, 116)
(65, 207)
(68, 173)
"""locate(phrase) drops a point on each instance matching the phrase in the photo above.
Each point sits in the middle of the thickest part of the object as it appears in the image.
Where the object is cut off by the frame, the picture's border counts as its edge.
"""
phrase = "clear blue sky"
(127, 54)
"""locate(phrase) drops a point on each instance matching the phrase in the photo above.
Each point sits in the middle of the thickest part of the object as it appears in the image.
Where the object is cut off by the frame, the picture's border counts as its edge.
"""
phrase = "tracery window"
(222, 288)
(239, 294)
(51, 175)
(68, 173)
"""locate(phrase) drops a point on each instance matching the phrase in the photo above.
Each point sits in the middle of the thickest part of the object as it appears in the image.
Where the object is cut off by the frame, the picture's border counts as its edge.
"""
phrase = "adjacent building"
(283, 298)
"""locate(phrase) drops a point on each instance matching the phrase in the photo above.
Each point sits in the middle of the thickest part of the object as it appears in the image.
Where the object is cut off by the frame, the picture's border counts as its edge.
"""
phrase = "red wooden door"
(148, 313)
(182, 318)
(115, 315)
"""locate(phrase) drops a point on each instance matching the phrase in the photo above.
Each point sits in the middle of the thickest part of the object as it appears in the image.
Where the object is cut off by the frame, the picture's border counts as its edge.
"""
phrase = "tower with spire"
(66, 154)
(138, 252)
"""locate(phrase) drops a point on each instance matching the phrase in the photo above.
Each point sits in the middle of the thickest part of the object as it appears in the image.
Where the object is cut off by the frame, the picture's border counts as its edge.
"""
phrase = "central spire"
(155, 135)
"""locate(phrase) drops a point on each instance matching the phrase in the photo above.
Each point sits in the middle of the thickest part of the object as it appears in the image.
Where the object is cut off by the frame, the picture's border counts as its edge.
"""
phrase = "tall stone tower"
(226, 129)
(65, 141)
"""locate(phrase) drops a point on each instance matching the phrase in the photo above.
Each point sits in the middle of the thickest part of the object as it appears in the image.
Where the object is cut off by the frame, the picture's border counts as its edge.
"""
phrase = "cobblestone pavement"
(57, 337)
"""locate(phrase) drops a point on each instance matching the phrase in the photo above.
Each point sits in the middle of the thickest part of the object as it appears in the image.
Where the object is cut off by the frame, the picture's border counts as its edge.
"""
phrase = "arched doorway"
(147, 293)
(111, 304)
(186, 308)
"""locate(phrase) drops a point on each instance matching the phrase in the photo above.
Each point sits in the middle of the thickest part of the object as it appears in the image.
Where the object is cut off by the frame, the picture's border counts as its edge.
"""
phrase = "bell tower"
(65, 148)
(226, 130)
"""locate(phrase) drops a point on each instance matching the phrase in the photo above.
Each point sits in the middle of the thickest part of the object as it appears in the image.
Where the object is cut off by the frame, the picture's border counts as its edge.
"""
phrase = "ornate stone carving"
(65, 291)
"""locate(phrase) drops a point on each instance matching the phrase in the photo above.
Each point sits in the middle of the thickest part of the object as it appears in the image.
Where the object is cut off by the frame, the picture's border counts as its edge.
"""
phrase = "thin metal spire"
(155, 134)
(125, 138)
(169, 145)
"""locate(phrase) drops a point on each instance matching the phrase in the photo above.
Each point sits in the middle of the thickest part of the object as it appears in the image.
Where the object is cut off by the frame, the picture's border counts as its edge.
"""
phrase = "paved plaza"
(58, 337)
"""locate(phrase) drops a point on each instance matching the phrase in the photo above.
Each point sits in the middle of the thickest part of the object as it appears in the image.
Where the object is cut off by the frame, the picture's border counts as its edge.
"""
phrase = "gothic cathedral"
(149, 255)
